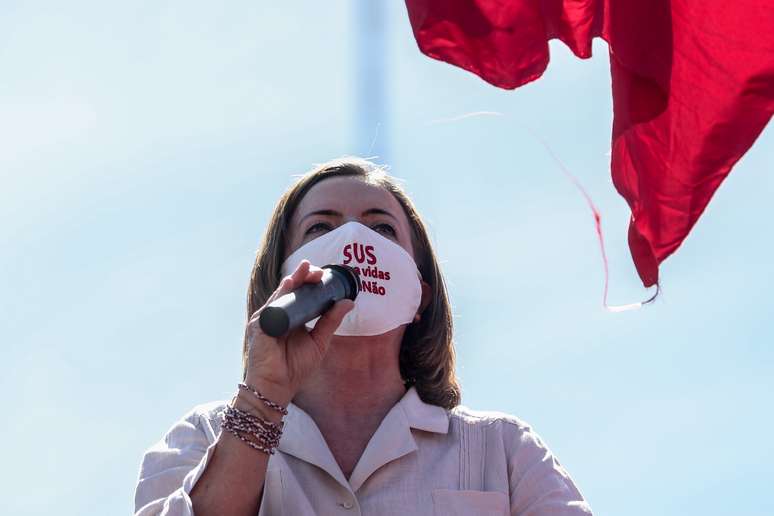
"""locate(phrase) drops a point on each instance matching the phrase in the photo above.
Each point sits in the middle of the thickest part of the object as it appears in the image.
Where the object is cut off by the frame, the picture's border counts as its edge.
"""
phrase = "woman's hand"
(232, 482)
(278, 366)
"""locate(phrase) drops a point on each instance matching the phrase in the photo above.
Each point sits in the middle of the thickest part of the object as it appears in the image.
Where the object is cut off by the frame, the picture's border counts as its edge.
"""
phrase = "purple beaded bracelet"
(241, 423)
(274, 406)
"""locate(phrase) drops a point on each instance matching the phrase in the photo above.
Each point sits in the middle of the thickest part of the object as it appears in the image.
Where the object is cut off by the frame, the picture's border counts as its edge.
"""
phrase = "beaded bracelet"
(267, 434)
(267, 450)
(274, 406)
(255, 424)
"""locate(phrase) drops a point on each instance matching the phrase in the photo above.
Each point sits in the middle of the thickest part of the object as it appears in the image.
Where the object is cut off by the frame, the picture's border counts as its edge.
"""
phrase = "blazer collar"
(423, 416)
(393, 438)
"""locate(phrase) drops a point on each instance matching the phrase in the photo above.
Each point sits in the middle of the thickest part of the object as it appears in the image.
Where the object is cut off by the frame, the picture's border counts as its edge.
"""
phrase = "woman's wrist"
(245, 401)
(269, 400)
(277, 392)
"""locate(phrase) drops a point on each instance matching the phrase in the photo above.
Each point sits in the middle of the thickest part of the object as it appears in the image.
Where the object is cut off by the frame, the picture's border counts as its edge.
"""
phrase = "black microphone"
(309, 301)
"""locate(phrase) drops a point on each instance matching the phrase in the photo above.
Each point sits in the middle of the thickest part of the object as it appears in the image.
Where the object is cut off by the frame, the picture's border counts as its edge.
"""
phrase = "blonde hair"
(427, 351)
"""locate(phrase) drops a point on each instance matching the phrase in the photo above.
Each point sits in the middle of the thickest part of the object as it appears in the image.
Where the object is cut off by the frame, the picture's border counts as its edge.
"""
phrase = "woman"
(357, 413)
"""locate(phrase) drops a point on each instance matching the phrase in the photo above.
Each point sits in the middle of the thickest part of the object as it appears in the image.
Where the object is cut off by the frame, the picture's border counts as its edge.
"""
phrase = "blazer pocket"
(448, 502)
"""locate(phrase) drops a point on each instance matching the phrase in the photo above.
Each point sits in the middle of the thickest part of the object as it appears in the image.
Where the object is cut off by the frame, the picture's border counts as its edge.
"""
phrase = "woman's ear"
(427, 293)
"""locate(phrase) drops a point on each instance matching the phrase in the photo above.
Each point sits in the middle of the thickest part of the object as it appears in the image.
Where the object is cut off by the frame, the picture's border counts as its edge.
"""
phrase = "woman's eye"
(316, 228)
(385, 229)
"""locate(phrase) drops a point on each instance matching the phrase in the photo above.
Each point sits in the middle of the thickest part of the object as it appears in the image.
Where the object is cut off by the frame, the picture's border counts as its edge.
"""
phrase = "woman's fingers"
(327, 324)
(285, 286)
(304, 273)
(314, 275)
(299, 275)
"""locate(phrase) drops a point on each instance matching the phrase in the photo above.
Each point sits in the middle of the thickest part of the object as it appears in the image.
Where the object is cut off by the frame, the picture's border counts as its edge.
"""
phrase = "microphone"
(309, 300)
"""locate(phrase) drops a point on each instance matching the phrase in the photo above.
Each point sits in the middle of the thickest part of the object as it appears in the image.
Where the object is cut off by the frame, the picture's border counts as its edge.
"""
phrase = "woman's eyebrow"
(334, 213)
(329, 213)
(378, 211)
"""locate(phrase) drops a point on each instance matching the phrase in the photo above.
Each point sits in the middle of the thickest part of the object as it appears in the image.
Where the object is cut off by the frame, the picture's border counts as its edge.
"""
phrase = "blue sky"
(142, 149)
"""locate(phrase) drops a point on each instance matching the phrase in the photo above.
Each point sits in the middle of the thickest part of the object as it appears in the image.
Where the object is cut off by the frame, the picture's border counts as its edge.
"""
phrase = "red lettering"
(347, 254)
(366, 285)
(370, 252)
(381, 290)
(359, 256)
(386, 276)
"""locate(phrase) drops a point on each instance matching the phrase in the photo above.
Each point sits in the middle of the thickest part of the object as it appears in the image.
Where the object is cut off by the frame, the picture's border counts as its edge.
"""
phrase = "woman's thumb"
(330, 320)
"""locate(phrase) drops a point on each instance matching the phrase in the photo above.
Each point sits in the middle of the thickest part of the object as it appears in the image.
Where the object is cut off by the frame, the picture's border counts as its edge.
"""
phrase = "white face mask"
(390, 290)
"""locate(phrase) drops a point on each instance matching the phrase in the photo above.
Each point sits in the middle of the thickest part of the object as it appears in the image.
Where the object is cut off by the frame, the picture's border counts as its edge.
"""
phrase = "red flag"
(693, 87)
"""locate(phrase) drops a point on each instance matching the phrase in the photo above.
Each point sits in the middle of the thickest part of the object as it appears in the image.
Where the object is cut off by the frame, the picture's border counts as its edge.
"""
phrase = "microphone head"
(350, 277)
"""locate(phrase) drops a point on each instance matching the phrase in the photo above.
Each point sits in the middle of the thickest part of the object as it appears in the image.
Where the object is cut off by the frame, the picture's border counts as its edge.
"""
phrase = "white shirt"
(422, 460)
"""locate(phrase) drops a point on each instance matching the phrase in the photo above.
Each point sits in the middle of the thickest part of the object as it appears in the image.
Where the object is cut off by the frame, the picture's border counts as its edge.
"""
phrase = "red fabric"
(693, 86)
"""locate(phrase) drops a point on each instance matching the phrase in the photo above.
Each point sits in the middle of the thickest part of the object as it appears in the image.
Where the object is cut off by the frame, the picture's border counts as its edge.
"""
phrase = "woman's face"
(338, 200)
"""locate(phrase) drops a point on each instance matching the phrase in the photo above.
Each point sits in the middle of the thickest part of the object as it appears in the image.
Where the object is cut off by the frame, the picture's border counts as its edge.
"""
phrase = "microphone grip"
(310, 300)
